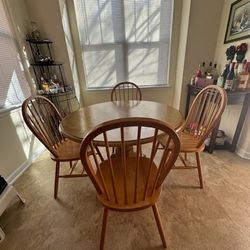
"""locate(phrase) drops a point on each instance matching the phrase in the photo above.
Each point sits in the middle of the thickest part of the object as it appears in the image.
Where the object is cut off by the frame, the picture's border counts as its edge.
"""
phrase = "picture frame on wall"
(238, 26)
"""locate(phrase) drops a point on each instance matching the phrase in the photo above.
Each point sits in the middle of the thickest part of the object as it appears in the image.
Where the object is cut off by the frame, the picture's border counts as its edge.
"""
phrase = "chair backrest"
(43, 118)
(205, 113)
(128, 177)
(125, 91)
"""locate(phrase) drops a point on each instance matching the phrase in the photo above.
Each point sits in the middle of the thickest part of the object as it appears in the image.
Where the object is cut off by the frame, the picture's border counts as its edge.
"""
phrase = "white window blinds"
(13, 85)
(124, 40)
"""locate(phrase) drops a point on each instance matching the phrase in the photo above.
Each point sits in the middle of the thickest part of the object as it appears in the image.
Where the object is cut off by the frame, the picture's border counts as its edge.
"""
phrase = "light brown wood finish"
(129, 182)
(125, 91)
(77, 124)
(43, 118)
(203, 116)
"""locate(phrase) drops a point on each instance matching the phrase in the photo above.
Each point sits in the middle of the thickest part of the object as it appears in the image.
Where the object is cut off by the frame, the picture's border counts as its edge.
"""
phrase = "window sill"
(141, 87)
(7, 111)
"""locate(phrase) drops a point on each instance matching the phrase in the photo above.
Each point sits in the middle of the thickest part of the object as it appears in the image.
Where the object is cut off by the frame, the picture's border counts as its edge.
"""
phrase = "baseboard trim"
(242, 153)
(11, 179)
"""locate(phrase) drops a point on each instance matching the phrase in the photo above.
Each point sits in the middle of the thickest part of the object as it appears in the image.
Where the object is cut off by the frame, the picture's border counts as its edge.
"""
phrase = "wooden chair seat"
(121, 205)
(188, 143)
(67, 150)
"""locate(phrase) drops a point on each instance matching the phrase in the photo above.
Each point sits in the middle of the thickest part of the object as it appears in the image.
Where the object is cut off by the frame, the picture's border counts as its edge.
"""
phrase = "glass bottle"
(242, 66)
(209, 71)
(203, 69)
(221, 80)
(44, 85)
(230, 77)
(244, 76)
(57, 83)
(236, 77)
(55, 79)
(199, 71)
(41, 83)
(214, 73)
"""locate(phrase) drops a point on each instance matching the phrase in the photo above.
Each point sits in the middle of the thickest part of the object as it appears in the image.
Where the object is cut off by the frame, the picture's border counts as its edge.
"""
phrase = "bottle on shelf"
(197, 76)
(55, 80)
(44, 85)
(230, 78)
(215, 74)
(202, 68)
(236, 78)
(192, 81)
(54, 85)
(199, 71)
(244, 75)
(208, 73)
(241, 67)
(221, 80)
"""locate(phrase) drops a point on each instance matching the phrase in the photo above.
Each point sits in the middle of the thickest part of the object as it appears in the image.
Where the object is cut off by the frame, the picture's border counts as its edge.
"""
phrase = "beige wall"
(231, 114)
(201, 25)
(17, 145)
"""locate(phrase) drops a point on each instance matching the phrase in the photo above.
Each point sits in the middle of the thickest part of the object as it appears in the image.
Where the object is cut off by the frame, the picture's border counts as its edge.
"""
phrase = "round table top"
(77, 124)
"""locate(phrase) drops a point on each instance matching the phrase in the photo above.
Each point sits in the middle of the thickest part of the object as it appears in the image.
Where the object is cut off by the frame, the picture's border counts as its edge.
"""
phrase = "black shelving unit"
(43, 63)
(44, 66)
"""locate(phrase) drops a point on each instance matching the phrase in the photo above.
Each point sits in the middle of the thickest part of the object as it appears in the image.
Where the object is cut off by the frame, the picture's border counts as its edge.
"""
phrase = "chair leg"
(56, 179)
(20, 197)
(104, 225)
(182, 160)
(159, 225)
(185, 156)
(199, 168)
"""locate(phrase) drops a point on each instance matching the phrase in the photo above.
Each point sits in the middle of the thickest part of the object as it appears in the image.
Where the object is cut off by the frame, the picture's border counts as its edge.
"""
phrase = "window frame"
(125, 45)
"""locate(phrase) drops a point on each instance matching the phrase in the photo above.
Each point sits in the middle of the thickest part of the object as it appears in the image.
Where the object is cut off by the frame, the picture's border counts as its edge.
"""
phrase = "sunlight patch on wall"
(14, 90)
(26, 138)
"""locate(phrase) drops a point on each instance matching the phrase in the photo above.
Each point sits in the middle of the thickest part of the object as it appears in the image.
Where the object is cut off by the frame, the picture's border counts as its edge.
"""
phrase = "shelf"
(41, 41)
(46, 64)
(67, 91)
(66, 102)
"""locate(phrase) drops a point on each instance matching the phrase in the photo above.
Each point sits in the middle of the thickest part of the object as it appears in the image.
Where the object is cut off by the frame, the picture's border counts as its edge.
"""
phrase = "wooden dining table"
(77, 124)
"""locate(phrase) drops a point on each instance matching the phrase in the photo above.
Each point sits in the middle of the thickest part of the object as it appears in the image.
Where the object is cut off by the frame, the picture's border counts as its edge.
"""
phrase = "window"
(124, 40)
(13, 85)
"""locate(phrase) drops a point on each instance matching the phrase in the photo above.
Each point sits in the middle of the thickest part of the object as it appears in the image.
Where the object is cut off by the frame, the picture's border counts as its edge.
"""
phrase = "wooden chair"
(125, 91)
(203, 116)
(43, 118)
(129, 181)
